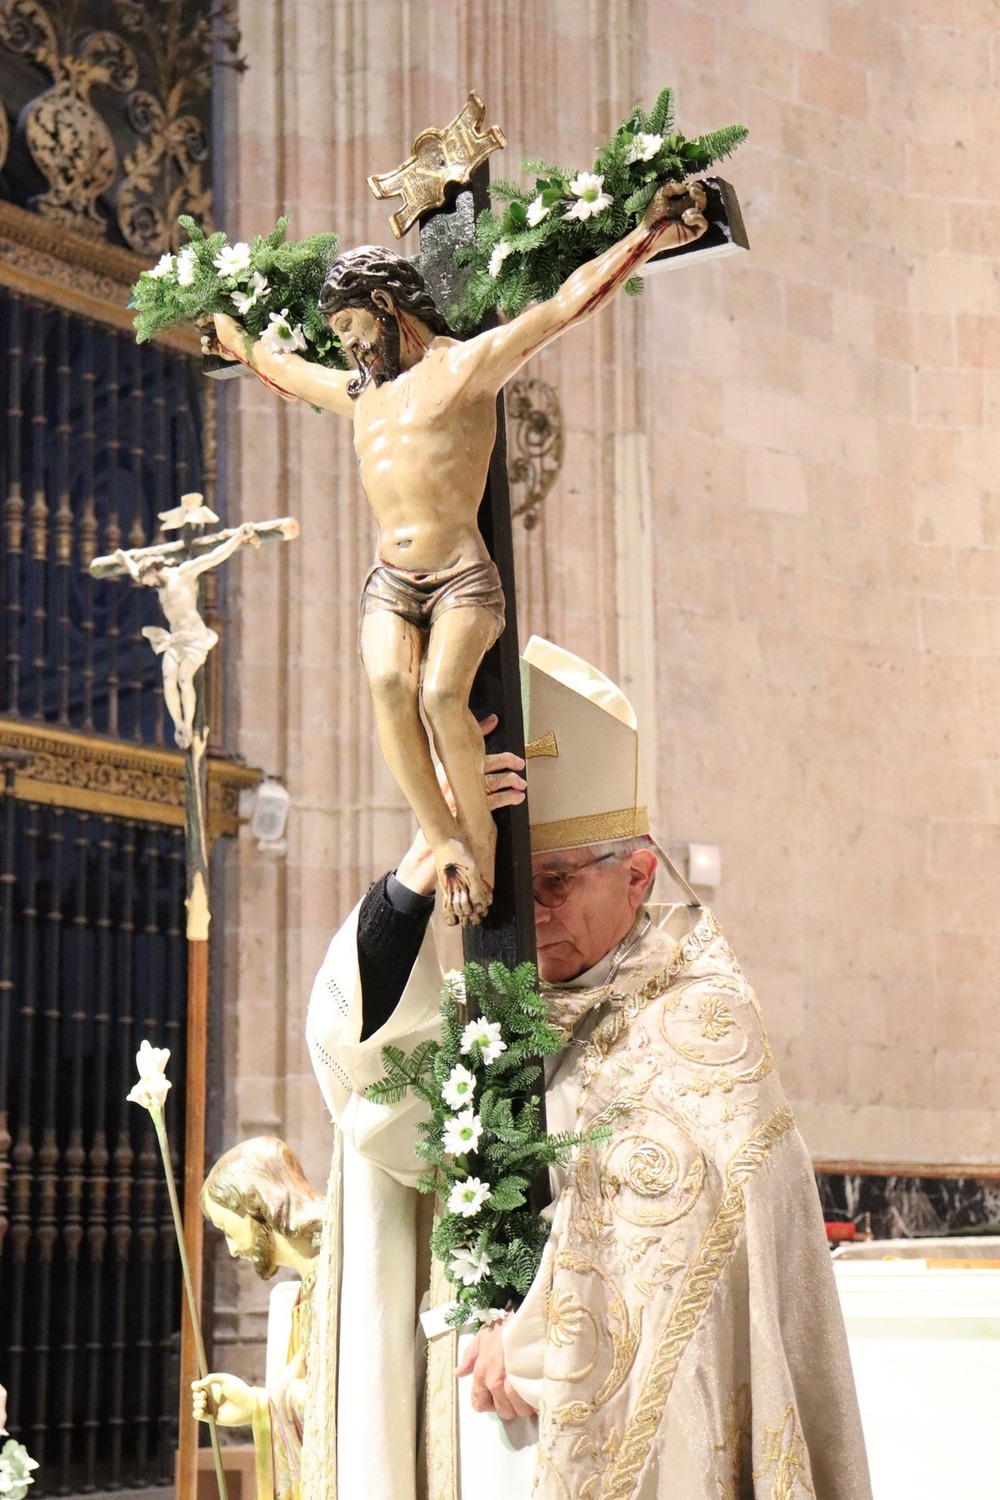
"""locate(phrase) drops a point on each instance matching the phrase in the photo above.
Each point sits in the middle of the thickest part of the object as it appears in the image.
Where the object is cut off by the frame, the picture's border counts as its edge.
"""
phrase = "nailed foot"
(466, 895)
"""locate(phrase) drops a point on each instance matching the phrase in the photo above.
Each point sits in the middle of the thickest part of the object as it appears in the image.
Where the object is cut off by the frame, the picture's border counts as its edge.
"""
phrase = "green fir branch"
(645, 152)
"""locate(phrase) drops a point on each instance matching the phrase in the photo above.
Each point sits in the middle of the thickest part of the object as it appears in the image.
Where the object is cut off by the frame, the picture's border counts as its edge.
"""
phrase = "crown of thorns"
(354, 275)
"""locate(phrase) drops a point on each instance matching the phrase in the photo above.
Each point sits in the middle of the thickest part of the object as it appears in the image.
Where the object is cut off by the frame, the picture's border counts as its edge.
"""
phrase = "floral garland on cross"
(269, 285)
(526, 253)
(482, 1140)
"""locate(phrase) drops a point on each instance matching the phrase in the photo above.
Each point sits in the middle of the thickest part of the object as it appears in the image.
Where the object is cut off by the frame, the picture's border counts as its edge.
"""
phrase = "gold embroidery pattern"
(627, 1007)
(638, 1169)
(735, 1442)
(784, 1459)
(625, 1331)
(716, 1019)
(696, 1290)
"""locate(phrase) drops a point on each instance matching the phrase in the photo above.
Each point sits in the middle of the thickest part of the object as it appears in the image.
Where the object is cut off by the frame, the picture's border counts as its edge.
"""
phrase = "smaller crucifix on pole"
(174, 569)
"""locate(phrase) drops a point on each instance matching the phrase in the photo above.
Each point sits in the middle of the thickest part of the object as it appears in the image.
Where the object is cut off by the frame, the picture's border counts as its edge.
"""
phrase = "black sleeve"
(391, 926)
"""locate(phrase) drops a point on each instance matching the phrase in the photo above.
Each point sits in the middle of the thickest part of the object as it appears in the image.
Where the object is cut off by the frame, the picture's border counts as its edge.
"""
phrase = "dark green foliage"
(540, 256)
(293, 270)
(511, 1148)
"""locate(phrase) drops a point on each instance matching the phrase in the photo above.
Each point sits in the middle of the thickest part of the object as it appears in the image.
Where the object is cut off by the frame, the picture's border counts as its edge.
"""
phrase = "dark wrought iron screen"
(93, 961)
(100, 436)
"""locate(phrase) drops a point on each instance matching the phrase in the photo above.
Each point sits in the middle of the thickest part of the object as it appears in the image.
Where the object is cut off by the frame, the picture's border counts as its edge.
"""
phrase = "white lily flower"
(257, 288)
(588, 187)
(467, 1198)
(501, 250)
(232, 260)
(643, 148)
(460, 1087)
(279, 337)
(486, 1036)
(153, 1085)
(537, 211)
(164, 266)
(186, 265)
(461, 1133)
(469, 1265)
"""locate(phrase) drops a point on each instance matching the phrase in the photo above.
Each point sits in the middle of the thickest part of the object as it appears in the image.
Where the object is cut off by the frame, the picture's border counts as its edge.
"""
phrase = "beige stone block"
(977, 453)
(974, 228)
(864, 36)
(922, 456)
(830, 83)
(893, 335)
(829, 373)
(808, 310)
(991, 519)
(951, 513)
(919, 566)
(775, 482)
(934, 341)
(755, 52)
(957, 284)
(976, 568)
(684, 31)
(949, 398)
(940, 54)
(854, 321)
(753, 293)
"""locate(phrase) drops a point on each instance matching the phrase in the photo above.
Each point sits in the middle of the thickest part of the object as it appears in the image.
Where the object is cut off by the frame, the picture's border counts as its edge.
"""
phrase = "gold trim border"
(594, 828)
(112, 779)
(60, 267)
(944, 1170)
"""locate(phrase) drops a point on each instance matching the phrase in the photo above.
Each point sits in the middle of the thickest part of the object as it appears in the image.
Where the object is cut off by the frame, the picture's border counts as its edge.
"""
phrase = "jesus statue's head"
(365, 292)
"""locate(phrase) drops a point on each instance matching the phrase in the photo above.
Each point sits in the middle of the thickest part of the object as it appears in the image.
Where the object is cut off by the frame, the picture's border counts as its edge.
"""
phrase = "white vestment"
(683, 1336)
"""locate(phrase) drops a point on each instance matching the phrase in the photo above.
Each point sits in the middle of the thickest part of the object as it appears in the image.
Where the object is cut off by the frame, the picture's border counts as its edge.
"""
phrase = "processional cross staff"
(174, 569)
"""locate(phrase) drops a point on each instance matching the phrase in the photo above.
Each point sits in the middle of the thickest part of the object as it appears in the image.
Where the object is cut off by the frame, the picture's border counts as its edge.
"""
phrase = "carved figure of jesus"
(423, 405)
(185, 646)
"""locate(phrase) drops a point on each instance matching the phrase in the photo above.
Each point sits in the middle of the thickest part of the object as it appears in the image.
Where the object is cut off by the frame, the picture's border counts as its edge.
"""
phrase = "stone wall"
(777, 523)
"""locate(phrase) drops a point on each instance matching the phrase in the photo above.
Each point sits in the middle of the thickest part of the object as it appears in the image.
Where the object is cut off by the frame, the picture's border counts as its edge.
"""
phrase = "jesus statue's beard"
(377, 360)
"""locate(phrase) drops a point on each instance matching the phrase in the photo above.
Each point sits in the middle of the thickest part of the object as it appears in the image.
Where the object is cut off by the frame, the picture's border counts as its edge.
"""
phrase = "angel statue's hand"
(225, 1397)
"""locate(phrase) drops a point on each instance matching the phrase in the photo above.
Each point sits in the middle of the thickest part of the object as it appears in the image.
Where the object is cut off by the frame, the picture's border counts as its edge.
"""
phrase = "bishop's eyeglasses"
(552, 887)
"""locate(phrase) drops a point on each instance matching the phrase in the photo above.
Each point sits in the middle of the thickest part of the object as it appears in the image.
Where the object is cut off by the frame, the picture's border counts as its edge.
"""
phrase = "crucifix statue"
(174, 569)
(424, 410)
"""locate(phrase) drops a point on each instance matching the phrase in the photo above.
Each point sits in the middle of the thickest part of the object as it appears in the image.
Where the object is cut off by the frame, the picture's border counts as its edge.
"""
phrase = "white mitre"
(583, 747)
(190, 512)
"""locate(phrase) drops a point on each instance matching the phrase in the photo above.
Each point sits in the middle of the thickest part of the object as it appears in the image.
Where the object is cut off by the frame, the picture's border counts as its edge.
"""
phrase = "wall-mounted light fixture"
(705, 865)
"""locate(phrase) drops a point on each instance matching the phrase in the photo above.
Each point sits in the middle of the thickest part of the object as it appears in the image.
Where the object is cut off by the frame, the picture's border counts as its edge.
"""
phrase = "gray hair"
(621, 849)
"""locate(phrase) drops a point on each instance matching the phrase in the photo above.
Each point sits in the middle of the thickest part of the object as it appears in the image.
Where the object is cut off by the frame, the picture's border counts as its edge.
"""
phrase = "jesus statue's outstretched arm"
(499, 353)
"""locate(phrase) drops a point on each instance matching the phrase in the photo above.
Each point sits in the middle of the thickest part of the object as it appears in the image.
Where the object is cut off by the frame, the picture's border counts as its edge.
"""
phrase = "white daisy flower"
(469, 1265)
(537, 211)
(588, 188)
(279, 337)
(257, 288)
(164, 266)
(467, 1198)
(486, 1036)
(461, 1133)
(644, 147)
(454, 982)
(186, 264)
(232, 260)
(501, 250)
(460, 1087)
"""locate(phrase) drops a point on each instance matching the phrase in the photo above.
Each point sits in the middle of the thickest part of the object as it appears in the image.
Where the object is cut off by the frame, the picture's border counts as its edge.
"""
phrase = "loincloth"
(191, 643)
(420, 598)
